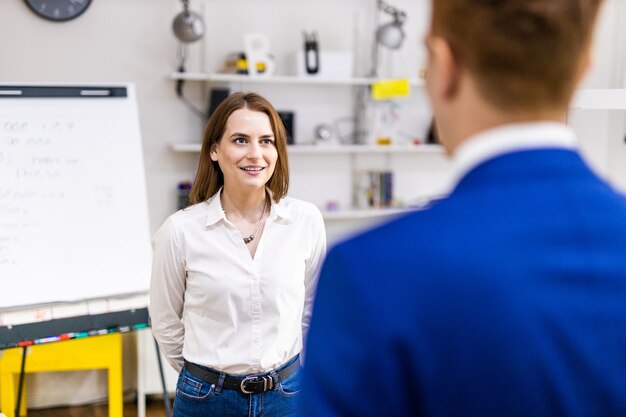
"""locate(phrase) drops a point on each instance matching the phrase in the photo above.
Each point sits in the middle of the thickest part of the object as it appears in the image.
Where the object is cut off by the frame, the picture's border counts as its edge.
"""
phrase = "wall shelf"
(347, 216)
(186, 147)
(333, 149)
(589, 99)
(600, 99)
(356, 214)
(279, 79)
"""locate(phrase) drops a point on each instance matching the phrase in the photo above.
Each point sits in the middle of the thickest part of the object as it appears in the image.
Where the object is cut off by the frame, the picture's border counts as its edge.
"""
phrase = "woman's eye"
(267, 141)
(240, 141)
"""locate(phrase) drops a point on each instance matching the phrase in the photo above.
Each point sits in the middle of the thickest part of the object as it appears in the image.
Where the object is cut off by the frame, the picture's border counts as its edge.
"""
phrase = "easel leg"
(20, 385)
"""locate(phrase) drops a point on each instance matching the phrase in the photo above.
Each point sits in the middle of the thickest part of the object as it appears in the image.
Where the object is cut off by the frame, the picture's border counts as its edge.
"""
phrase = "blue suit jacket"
(506, 299)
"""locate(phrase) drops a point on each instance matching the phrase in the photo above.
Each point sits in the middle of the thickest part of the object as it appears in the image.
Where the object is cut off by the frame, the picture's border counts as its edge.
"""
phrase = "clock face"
(58, 10)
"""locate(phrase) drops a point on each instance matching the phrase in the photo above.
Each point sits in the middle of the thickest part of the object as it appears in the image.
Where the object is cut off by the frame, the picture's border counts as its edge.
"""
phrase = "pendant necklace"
(250, 238)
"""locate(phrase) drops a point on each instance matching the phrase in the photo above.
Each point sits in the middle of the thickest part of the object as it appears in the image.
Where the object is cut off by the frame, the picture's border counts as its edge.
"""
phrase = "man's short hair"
(522, 53)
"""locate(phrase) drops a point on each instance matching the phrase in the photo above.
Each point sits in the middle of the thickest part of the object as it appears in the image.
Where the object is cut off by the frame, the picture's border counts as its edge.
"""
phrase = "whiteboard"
(73, 205)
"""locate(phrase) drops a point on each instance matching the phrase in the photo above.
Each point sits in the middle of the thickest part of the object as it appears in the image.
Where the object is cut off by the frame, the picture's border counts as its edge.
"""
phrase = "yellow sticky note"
(387, 89)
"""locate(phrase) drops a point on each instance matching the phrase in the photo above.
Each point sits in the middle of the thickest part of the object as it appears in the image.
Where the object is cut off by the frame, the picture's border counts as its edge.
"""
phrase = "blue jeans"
(197, 398)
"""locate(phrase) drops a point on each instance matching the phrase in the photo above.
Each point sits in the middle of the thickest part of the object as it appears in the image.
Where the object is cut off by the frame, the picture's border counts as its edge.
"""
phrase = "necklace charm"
(250, 238)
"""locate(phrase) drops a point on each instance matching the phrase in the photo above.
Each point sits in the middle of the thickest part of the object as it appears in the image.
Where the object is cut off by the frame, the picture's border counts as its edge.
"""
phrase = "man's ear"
(444, 69)
(586, 62)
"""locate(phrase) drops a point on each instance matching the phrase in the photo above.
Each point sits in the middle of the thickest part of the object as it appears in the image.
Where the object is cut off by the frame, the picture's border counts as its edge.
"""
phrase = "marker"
(95, 93)
(25, 343)
(47, 340)
(10, 92)
(81, 335)
(140, 326)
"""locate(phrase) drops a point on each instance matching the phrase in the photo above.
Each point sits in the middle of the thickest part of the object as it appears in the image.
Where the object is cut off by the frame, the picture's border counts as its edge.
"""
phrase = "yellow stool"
(97, 352)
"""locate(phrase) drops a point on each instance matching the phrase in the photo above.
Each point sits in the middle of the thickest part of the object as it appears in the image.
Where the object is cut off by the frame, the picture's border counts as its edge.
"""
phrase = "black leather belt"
(250, 384)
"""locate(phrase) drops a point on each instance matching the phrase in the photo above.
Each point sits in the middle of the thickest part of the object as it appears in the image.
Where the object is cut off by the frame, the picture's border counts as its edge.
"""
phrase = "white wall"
(601, 133)
(131, 40)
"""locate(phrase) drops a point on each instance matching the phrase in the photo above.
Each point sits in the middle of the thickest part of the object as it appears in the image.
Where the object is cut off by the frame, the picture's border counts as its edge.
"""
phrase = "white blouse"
(214, 305)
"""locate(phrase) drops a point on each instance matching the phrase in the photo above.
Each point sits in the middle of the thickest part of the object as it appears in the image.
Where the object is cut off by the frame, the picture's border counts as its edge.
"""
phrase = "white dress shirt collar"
(216, 211)
(509, 138)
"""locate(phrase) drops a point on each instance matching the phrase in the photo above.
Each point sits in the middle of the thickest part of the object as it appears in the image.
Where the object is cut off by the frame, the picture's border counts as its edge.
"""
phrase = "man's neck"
(476, 120)
(468, 113)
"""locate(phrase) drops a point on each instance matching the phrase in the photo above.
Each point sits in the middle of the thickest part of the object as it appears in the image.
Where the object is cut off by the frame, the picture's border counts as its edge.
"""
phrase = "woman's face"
(246, 152)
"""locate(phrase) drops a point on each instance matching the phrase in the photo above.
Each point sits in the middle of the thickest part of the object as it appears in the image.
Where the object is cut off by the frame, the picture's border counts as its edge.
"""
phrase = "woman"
(234, 274)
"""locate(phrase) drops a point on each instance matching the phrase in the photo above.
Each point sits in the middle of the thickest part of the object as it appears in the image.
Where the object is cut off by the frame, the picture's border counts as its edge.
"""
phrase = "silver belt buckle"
(243, 384)
(265, 379)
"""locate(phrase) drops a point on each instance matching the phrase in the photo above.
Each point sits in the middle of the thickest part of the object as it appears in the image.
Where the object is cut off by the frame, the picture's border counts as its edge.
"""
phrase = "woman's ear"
(213, 152)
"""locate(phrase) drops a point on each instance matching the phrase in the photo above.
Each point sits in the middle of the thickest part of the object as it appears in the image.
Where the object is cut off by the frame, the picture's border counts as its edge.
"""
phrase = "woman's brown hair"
(209, 176)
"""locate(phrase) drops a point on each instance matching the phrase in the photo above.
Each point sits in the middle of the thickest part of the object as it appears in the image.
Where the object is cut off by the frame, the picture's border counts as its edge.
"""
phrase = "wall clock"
(58, 10)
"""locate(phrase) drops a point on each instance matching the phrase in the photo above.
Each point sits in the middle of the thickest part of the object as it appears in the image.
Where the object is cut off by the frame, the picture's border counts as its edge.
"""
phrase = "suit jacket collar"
(492, 143)
(523, 168)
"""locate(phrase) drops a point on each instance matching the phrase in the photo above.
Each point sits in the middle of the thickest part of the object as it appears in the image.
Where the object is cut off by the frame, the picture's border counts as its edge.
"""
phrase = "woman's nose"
(254, 151)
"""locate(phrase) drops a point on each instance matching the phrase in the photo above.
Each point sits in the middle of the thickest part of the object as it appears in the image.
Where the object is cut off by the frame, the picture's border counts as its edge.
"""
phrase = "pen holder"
(183, 190)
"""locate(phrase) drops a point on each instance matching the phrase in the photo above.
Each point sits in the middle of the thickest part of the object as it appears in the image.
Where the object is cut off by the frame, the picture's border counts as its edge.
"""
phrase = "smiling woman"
(236, 119)
(247, 155)
(234, 274)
